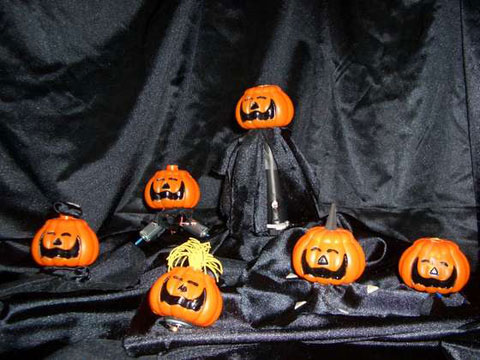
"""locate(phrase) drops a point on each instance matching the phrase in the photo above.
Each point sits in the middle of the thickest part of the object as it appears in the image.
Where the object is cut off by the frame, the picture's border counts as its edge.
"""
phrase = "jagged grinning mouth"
(324, 272)
(432, 282)
(61, 253)
(258, 115)
(167, 194)
(193, 304)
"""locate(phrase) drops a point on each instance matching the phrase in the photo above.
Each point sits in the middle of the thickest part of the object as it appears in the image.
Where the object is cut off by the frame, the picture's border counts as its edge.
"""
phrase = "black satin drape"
(95, 96)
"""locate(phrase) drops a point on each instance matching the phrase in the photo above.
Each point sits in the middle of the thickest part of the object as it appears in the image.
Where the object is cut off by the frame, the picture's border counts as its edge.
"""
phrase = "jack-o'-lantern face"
(65, 241)
(172, 188)
(435, 268)
(328, 256)
(264, 106)
(434, 265)
(187, 294)
(62, 245)
(329, 263)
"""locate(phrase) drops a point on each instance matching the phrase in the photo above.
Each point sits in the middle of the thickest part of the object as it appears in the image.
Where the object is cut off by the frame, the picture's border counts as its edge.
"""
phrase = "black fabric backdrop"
(97, 95)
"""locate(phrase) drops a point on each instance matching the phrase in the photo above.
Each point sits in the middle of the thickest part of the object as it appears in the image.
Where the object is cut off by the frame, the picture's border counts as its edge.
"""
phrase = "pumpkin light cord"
(198, 256)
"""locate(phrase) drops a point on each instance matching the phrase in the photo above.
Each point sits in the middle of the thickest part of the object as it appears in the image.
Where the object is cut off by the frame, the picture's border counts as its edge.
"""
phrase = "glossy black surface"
(446, 284)
(190, 304)
(58, 252)
(258, 115)
(167, 194)
(324, 272)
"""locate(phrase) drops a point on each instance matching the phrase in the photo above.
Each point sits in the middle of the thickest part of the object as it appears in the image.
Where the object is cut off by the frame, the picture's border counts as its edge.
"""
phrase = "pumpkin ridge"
(462, 265)
(435, 250)
(168, 199)
(178, 295)
(337, 240)
(264, 118)
(78, 249)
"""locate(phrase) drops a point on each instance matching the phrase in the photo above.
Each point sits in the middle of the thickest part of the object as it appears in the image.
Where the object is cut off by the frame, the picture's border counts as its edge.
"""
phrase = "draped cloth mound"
(243, 201)
(265, 303)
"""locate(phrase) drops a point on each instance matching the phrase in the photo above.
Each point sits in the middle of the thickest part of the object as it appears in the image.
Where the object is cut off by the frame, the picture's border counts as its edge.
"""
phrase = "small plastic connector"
(194, 227)
(150, 232)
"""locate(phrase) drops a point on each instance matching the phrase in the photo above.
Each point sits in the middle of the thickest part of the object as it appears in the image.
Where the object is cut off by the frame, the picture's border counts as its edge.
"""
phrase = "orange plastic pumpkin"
(264, 106)
(434, 265)
(328, 255)
(172, 188)
(188, 294)
(65, 241)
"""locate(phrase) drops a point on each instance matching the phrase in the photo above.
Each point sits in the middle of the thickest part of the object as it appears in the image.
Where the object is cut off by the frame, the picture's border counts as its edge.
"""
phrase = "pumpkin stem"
(332, 218)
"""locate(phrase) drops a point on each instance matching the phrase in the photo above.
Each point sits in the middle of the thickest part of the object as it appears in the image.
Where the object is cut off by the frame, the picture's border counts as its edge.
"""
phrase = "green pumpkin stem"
(332, 218)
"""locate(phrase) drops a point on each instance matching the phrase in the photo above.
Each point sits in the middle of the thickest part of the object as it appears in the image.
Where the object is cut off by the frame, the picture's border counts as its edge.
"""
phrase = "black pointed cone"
(332, 218)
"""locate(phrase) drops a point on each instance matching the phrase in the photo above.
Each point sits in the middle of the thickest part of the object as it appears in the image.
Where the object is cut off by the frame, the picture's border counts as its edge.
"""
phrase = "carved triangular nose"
(57, 241)
(434, 271)
(254, 106)
(323, 260)
(182, 288)
(166, 186)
